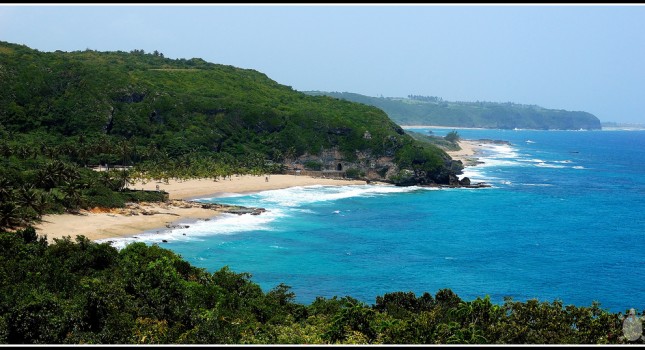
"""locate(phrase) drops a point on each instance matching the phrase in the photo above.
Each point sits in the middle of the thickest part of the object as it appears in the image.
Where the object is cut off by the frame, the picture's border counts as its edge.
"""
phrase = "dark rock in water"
(242, 210)
(495, 142)
(477, 185)
(175, 226)
(453, 180)
(165, 241)
(465, 181)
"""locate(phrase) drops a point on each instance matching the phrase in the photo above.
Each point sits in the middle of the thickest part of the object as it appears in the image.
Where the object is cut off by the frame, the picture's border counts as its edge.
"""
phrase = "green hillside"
(428, 110)
(180, 105)
(62, 113)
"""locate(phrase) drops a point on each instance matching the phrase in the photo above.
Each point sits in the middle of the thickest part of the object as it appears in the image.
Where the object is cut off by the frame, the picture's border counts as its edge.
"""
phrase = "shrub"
(313, 165)
(354, 173)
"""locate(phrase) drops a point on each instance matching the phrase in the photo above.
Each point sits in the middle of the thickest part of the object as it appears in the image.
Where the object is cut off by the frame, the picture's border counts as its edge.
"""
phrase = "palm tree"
(9, 214)
(72, 199)
(6, 190)
(26, 198)
(124, 179)
(41, 203)
(290, 155)
(125, 149)
(56, 172)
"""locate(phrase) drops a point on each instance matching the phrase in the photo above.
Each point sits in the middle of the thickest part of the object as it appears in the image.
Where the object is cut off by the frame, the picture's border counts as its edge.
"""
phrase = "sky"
(587, 57)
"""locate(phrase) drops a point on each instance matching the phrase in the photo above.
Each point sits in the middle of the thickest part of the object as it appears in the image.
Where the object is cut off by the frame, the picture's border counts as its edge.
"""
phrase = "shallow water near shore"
(562, 220)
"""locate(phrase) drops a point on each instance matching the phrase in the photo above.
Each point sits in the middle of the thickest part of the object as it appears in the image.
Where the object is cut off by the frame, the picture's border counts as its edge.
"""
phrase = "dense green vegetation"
(62, 113)
(448, 142)
(82, 292)
(430, 110)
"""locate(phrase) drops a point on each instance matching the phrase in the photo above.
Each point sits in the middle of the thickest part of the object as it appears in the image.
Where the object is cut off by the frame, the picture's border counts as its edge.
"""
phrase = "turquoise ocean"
(563, 220)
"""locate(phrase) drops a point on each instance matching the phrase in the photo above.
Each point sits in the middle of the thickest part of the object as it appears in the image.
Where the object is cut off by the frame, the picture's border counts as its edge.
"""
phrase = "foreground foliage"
(82, 292)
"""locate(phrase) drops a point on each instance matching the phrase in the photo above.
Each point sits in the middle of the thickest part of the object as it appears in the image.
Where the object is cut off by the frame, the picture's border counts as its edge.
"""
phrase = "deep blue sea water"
(563, 220)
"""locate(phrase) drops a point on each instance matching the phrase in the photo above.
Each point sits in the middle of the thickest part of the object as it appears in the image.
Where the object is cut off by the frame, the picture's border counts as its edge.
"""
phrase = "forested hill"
(177, 108)
(430, 110)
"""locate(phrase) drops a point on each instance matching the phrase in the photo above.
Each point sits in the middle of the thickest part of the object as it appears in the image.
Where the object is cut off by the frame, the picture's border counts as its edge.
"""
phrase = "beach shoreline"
(469, 148)
(468, 152)
(141, 217)
(137, 218)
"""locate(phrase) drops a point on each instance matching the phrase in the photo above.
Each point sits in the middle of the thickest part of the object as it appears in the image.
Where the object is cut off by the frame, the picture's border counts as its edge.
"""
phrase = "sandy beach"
(468, 147)
(467, 152)
(97, 225)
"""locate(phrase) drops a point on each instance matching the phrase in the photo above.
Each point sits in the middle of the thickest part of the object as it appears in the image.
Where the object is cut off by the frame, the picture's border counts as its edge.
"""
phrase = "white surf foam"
(546, 165)
(224, 224)
(297, 196)
(279, 203)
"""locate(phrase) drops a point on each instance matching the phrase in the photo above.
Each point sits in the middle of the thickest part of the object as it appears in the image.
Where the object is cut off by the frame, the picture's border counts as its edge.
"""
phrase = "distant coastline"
(433, 110)
(611, 126)
(623, 128)
(438, 127)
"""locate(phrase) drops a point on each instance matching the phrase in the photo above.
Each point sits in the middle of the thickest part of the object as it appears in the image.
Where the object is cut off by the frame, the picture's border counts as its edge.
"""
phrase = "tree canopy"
(82, 292)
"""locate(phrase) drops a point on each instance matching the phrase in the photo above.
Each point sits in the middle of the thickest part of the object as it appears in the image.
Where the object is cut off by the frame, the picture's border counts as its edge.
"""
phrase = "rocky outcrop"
(145, 208)
(364, 165)
(379, 168)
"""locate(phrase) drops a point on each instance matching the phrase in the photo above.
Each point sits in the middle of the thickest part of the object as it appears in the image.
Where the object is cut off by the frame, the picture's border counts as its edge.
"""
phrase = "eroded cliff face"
(332, 163)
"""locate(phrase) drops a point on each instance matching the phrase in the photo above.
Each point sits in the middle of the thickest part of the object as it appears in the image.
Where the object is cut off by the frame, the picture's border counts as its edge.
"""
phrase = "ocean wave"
(279, 204)
(219, 195)
(545, 165)
(501, 151)
(297, 196)
(474, 174)
(496, 162)
(534, 160)
(493, 157)
(225, 224)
